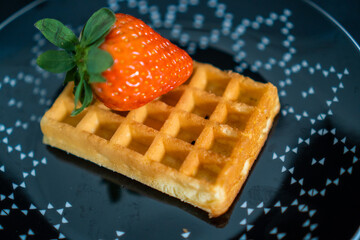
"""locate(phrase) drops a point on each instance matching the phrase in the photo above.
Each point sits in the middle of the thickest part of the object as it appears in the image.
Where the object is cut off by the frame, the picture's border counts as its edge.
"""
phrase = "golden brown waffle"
(196, 143)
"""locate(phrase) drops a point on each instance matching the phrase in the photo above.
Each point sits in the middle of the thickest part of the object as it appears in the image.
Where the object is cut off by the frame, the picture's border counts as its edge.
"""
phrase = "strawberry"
(146, 65)
(119, 59)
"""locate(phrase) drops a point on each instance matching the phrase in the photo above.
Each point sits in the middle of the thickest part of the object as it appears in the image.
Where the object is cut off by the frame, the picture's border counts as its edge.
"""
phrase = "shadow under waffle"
(122, 181)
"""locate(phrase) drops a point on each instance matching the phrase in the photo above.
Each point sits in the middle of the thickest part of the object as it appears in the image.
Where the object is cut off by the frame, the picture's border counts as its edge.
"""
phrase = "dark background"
(346, 12)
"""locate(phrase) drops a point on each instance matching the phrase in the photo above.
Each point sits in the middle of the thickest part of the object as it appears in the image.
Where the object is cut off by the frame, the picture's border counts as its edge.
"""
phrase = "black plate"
(303, 183)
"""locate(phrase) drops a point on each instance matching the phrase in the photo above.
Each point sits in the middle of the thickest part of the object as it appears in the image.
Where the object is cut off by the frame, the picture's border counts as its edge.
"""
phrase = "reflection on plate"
(302, 183)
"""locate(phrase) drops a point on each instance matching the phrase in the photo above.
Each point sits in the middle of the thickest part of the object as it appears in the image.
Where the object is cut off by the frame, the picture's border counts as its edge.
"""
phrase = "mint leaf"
(55, 61)
(97, 25)
(98, 60)
(84, 93)
(96, 78)
(98, 42)
(57, 33)
(78, 93)
(88, 95)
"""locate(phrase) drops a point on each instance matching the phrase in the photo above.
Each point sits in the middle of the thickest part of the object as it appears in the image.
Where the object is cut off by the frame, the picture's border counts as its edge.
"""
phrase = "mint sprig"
(82, 60)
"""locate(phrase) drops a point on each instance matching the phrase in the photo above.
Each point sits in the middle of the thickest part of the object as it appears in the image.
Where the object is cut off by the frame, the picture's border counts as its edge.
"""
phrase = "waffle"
(196, 143)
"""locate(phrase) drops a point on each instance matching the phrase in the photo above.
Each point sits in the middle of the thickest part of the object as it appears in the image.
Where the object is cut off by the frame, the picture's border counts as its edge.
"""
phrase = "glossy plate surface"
(303, 184)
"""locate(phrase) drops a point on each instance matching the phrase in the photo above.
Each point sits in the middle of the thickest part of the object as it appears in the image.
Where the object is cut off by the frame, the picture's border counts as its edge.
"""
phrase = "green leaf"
(78, 92)
(76, 80)
(98, 42)
(96, 78)
(83, 92)
(98, 60)
(76, 111)
(70, 75)
(88, 97)
(97, 25)
(56, 61)
(57, 33)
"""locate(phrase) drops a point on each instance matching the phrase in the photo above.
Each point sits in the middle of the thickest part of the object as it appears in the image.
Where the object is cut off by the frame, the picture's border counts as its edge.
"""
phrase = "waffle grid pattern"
(207, 131)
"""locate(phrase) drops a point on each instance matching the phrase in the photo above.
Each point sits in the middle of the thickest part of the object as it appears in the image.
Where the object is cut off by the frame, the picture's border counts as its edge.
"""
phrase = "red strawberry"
(146, 65)
(118, 57)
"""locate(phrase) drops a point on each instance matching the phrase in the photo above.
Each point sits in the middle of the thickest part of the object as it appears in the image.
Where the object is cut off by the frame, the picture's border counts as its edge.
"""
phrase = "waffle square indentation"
(135, 137)
(171, 98)
(222, 140)
(156, 119)
(250, 96)
(203, 106)
(209, 169)
(140, 144)
(73, 120)
(238, 118)
(223, 145)
(173, 155)
(216, 83)
(153, 115)
(244, 90)
(189, 129)
(106, 129)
